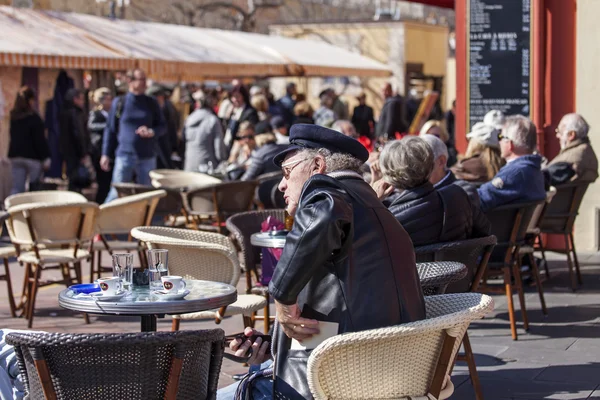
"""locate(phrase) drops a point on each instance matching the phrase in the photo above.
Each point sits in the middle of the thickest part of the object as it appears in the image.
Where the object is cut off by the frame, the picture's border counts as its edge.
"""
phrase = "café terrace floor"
(558, 359)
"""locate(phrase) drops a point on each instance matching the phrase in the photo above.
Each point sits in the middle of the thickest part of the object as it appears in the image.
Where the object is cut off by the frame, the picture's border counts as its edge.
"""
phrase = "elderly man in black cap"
(347, 265)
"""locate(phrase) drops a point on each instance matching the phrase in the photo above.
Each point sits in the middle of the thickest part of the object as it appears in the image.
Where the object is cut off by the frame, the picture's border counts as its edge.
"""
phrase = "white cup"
(173, 283)
(110, 286)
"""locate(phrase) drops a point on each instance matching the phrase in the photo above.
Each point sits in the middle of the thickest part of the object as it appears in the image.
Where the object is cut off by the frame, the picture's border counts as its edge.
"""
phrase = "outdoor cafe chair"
(119, 217)
(408, 361)
(53, 235)
(203, 256)
(474, 254)
(242, 226)
(7, 252)
(436, 276)
(559, 219)
(106, 366)
(268, 195)
(209, 207)
(509, 225)
(183, 179)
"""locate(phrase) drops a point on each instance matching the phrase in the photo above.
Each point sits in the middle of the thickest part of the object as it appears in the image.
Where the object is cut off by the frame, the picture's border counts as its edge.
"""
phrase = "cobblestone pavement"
(559, 358)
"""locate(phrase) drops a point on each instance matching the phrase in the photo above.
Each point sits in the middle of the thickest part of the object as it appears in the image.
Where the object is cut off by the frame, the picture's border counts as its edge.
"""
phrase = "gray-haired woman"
(428, 215)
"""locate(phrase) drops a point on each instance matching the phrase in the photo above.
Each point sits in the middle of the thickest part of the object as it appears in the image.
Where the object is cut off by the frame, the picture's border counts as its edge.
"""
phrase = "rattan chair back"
(183, 180)
(194, 254)
(47, 196)
(474, 253)
(52, 224)
(121, 215)
(560, 214)
(144, 366)
(400, 362)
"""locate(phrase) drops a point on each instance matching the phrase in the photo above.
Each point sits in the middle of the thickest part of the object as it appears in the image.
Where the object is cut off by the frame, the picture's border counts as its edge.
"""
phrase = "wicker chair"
(7, 252)
(242, 226)
(406, 361)
(119, 217)
(183, 180)
(559, 219)
(54, 236)
(169, 207)
(48, 196)
(509, 225)
(474, 253)
(107, 366)
(208, 208)
(436, 276)
(204, 256)
(267, 194)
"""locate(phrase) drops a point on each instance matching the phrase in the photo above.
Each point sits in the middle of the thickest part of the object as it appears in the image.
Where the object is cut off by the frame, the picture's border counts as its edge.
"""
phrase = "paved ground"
(558, 359)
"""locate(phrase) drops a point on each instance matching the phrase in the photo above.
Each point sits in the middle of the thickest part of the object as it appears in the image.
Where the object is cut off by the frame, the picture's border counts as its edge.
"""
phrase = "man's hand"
(259, 349)
(144, 132)
(105, 163)
(293, 325)
(382, 188)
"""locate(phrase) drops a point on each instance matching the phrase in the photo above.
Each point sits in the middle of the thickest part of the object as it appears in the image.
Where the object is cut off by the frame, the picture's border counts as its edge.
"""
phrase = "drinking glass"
(123, 268)
(158, 266)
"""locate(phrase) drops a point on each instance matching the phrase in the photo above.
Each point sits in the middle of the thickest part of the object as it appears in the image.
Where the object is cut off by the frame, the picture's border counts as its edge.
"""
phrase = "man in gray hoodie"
(203, 135)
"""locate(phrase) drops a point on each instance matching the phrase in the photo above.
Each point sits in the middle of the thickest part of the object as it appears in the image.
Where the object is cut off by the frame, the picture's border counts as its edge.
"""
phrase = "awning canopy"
(69, 40)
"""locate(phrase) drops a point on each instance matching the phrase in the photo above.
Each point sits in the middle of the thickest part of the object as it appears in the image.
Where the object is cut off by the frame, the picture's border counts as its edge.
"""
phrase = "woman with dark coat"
(28, 150)
(428, 215)
(74, 140)
(96, 124)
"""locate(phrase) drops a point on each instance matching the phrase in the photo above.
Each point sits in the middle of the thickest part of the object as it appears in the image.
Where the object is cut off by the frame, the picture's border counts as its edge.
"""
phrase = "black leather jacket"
(432, 216)
(347, 260)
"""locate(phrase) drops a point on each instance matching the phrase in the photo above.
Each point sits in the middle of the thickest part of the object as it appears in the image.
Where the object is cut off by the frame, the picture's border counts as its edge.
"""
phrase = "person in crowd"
(261, 105)
(280, 130)
(340, 109)
(521, 179)
(449, 118)
(74, 138)
(242, 112)
(575, 148)
(256, 91)
(324, 115)
(441, 177)
(28, 150)
(239, 157)
(345, 127)
(203, 136)
(135, 122)
(97, 120)
(363, 118)
(428, 215)
(393, 117)
(345, 250)
(437, 129)
(169, 142)
(284, 107)
(304, 113)
(225, 108)
(482, 159)
(261, 158)
(289, 99)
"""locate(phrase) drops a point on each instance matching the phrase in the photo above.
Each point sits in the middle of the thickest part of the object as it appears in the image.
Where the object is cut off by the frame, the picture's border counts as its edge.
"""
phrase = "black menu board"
(499, 58)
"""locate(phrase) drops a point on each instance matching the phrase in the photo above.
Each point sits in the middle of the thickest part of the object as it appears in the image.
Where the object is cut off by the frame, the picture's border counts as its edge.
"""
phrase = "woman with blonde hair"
(438, 129)
(97, 120)
(482, 159)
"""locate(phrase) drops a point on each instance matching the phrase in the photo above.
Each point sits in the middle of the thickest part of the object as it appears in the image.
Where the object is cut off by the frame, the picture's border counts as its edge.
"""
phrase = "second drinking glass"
(158, 266)
(123, 268)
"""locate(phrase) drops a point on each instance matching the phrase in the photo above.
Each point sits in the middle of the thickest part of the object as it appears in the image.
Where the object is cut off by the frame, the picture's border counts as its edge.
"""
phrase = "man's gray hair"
(521, 131)
(334, 161)
(406, 163)
(438, 147)
(576, 123)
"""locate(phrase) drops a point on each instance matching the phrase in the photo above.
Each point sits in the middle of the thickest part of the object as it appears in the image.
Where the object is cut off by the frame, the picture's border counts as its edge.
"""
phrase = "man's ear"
(571, 136)
(442, 160)
(319, 165)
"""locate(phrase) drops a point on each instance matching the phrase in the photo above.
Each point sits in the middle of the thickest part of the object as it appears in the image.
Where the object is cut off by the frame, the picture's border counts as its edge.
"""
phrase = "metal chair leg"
(570, 264)
(536, 275)
(521, 293)
(33, 295)
(541, 244)
(472, 367)
(509, 299)
(575, 259)
(175, 324)
(11, 298)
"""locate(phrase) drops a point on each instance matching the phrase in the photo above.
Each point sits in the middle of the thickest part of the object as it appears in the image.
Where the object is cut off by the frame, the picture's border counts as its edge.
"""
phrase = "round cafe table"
(263, 239)
(203, 296)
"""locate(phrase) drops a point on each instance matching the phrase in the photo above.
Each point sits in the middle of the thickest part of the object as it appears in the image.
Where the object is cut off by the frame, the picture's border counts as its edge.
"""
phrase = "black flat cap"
(309, 136)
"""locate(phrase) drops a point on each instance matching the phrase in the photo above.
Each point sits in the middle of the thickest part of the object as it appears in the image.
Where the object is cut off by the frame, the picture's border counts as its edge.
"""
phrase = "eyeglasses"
(288, 168)
(501, 137)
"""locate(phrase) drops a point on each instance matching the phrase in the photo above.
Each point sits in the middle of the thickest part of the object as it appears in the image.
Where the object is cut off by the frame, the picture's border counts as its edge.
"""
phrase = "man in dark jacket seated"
(442, 176)
(347, 264)
(428, 215)
(261, 159)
